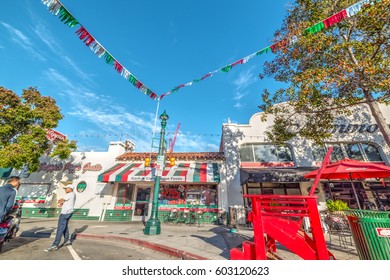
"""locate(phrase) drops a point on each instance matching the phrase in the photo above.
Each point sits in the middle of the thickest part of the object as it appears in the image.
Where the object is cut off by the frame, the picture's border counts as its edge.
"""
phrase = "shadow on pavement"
(76, 231)
(37, 232)
(26, 237)
(217, 240)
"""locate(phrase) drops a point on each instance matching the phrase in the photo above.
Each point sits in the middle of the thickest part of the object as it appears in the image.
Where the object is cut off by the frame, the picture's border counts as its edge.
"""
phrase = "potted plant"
(337, 206)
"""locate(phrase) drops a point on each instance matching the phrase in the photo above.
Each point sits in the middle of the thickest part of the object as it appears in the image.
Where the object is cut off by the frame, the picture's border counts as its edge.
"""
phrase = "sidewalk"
(187, 242)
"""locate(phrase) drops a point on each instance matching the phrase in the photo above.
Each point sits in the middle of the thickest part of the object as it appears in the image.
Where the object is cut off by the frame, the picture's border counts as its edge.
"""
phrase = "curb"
(153, 246)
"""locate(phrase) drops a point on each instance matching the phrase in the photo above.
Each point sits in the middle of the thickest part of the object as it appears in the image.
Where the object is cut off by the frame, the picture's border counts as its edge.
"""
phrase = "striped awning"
(182, 172)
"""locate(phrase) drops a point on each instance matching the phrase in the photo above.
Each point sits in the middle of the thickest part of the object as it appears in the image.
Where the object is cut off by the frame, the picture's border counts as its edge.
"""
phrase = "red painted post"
(316, 229)
(318, 177)
(258, 229)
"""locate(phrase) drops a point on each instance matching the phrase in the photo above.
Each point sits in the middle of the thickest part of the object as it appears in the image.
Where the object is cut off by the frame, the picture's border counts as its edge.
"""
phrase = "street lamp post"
(153, 225)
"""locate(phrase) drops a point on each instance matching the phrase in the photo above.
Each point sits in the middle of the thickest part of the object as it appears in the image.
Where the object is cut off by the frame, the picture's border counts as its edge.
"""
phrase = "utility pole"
(153, 225)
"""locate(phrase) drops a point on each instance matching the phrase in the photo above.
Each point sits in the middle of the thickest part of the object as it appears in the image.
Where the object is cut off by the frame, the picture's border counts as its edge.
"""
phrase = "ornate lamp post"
(152, 226)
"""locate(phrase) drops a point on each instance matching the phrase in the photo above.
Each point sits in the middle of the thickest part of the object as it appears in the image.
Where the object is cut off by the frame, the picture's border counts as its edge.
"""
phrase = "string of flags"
(56, 8)
(105, 135)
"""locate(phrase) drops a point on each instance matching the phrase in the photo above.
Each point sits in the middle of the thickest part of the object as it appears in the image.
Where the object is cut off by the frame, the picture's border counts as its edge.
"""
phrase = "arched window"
(356, 151)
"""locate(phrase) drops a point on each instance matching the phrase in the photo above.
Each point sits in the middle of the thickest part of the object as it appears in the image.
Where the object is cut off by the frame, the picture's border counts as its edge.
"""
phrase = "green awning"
(5, 172)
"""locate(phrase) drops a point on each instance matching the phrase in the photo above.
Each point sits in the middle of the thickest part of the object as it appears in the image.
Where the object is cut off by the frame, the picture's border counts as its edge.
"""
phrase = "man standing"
(67, 204)
(8, 196)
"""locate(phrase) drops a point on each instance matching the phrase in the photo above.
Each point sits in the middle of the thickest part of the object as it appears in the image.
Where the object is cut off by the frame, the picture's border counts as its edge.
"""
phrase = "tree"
(24, 122)
(329, 71)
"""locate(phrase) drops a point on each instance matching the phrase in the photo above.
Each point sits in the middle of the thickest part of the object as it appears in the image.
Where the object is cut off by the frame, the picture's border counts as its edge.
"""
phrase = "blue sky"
(163, 43)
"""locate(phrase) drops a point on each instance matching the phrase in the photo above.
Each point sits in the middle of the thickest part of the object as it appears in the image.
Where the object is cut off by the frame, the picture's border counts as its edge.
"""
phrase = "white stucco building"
(255, 166)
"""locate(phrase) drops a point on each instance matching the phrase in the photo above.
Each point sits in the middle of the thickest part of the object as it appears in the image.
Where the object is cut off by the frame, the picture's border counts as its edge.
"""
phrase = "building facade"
(41, 190)
(255, 166)
(189, 184)
(118, 185)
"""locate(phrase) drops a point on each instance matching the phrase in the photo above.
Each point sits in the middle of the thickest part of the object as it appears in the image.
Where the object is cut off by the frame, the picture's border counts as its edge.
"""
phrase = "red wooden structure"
(279, 218)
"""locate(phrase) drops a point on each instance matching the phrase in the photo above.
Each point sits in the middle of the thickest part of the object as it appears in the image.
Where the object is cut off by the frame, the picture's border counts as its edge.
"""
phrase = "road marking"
(73, 253)
(98, 226)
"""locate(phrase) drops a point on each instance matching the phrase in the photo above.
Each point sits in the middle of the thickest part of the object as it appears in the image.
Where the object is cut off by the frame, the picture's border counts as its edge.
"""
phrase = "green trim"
(118, 215)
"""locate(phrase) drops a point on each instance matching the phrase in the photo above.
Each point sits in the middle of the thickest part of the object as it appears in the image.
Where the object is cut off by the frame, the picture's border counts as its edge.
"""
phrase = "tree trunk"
(379, 118)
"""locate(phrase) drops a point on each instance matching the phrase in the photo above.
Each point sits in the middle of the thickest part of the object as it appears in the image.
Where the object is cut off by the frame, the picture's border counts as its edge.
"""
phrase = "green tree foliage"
(328, 72)
(23, 124)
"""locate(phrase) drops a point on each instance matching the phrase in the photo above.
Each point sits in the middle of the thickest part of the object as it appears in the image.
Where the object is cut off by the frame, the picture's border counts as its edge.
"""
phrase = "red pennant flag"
(118, 66)
(336, 18)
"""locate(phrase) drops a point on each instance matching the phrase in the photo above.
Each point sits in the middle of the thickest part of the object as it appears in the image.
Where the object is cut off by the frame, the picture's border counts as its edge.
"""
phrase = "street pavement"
(199, 242)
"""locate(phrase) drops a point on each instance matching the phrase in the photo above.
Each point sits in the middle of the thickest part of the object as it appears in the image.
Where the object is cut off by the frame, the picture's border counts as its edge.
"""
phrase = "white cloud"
(238, 95)
(22, 40)
(49, 40)
(245, 79)
(193, 142)
(110, 118)
(238, 105)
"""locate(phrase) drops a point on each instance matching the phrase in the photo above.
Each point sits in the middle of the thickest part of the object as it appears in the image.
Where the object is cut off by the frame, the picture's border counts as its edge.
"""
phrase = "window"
(246, 153)
(265, 153)
(189, 195)
(284, 153)
(33, 192)
(318, 152)
(371, 152)
(124, 195)
(337, 153)
(356, 151)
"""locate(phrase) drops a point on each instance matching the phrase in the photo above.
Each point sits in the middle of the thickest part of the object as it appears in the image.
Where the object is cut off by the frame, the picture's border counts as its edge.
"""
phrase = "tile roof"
(177, 156)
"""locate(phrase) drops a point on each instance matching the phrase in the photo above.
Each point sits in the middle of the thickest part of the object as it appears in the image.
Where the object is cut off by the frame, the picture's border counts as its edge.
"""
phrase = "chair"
(338, 226)
(172, 216)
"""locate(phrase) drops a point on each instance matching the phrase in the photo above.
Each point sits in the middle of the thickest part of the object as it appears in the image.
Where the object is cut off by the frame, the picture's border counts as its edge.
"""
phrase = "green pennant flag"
(227, 68)
(314, 29)
(196, 80)
(67, 18)
(133, 80)
(265, 50)
(109, 59)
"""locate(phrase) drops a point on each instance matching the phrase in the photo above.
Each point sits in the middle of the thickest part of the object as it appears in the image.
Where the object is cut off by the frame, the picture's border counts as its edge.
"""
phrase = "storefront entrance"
(142, 203)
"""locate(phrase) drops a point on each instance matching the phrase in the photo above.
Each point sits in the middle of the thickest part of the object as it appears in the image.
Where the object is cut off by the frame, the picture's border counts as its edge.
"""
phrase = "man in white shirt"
(67, 204)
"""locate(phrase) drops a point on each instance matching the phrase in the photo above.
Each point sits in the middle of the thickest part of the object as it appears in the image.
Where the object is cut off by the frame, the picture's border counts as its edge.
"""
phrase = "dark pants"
(62, 228)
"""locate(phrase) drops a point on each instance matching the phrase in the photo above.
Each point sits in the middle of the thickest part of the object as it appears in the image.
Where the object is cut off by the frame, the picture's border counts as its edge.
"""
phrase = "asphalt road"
(30, 246)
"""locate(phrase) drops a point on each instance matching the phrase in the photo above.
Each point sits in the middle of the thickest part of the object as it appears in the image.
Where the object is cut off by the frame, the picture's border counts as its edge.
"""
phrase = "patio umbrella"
(349, 169)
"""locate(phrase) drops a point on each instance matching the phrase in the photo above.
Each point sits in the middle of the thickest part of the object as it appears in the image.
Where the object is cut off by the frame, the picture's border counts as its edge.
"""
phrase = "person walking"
(8, 196)
(67, 204)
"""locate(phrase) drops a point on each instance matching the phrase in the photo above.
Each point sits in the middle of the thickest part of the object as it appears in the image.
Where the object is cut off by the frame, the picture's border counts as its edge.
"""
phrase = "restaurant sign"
(69, 166)
(53, 135)
(275, 177)
(162, 178)
(383, 232)
(89, 167)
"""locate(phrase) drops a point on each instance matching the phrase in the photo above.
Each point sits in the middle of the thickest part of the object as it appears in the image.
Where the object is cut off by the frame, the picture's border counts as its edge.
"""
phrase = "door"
(142, 201)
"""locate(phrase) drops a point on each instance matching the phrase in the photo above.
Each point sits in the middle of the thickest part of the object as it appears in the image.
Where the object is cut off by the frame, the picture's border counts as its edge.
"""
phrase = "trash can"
(371, 233)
